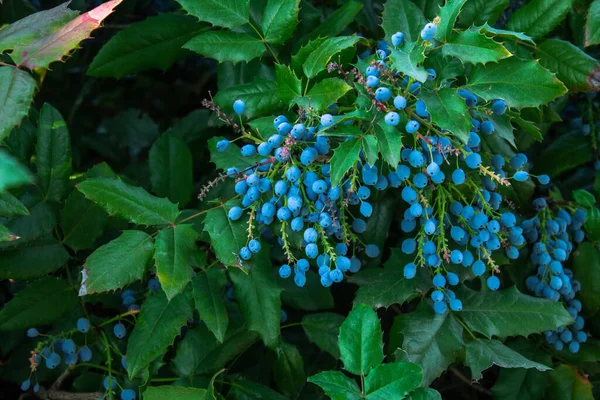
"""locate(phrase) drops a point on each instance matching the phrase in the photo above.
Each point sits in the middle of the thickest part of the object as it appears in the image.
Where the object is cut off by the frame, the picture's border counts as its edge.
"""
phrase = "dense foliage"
(288, 199)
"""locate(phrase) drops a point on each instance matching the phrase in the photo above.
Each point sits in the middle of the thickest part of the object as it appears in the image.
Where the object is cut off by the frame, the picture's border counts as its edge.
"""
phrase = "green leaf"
(585, 265)
(371, 149)
(82, 222)
(23, 262)
(336, 22)
(382, 287)
(226, 46)
(279, 20)
(132, 128)
(45, 49)
(227, 236)
(592, 224)
(260, 97)
(135, 48)
(503, 127)
(289, 87)
(317, 60)
(390, 143)
(473, 47)
(53, 154)
(584, 198)
(10, 206)
(174, 247)
(592, 24)
(232, 157)
(208, 296)
(324, 94)
(360, 341)
(197, 343)
(431, 340)
(289, 369)
(323, 329)
(504, 33)
(483, 353)
(156, 327)
(478, 12)
(41, 302)
(571, 64)
(300, 57)
(344, 157)
(259, 297)
(174, 393)
(16, 94)
(402, 16)
(425, 394)
(520, 83)
(409, 61)
(510, 313)
(38, 223)
(448, 14)
(117, 263)
(337, 385)
(538, 17)
(555, 160)
(246, 389)
(12, 173)
(387, 381)
(129, 202)
(171, 169)
(568, 384)
(6, 235)
(449, 111)
(34, 26)
(225, 13)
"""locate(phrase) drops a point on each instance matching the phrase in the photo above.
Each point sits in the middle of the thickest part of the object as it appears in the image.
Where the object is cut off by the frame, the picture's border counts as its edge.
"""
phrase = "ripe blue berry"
(235, 213)
(383, 94)
(521, 176)
(397, 39)
(429, 31)
(410, 270)
(53, 361)
(473, 160)
(248, 150)
(119, 330)
(311, 250)
(254, 246)
(68, 346)
(85, 354)
(543, 179)
(439, 281)
(32, 332)
(239, 107)
(127, 394)
(440, 307)
(83, 325)
(493, 283)
(245, 253)
(499, 107)
(372, 250)
(285, 271)
(310, 235)
(412, 126)
(487, 127)
(25, 385)
(109, 381)
(222, 145)
(478, 268)
(455, 305)
(300, 279)
(392, 118)
(458, 176)
(372, 81)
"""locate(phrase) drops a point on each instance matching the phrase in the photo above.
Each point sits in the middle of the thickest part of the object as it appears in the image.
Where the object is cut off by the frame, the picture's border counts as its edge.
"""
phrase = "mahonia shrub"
(402, 215)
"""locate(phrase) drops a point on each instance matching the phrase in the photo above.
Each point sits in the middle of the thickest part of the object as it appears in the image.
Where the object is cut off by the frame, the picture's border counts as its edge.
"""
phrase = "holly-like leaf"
(117, 263)
(16, 94)
(260, 97)
(174, 393)
(336, 22)
(409, 61)
(129, 202)
(295, 297)
(225, 13)
(53, 154)
(232, 157)
(82, 222)
(585, 261)
(279, 20)
(134, 49)
(300, 57)
(337, 385)
(40, 221)
(402, 16)
(470, 46)
(289, 369)
(324, 94)
(512, 35)
(227, 236)
(571, 65)
(39, 24)
(289, 87)
(510, 313)
(10, 206)
(520, 83)
(317, 60)
(360, 341)
(23, 262)
(344, 157)
(227, 46)
(208, 296)
(483, 353)
(389, 140)
(41, 302)
(382, 287)
(478, 12)
(389, 380)
(370, 148)
(44, 50)
(555, 160)
(431, 340)
(323, 329)
(156, 327)
(567, 383)
(171, 169)
(259, 297)
(425, 394)
(538, 17)
(448, 14)
(174, 247)
(592, 24)
(6, 235)
(449, 111)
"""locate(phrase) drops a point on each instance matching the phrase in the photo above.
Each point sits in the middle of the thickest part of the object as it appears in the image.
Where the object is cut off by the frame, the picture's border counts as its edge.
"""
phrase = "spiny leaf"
(171, 169)
(324, 94)
(16, 94)
(448, 14)
(449, 111)
(539, 17)
(472, 47)
(225, 13)
(592, 24)
(227, 46)
(208, 292)
(260, 97)
(344, 157)
(389, 380)
(289, 87)
(389, 140)
(317, 60)
(409, 60)
(279, 20)
(402, 16)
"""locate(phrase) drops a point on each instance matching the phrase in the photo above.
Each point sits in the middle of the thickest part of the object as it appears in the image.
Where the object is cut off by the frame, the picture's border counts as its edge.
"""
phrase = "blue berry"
(429, 31)
(248, 150)
(440, 307)
(439, 281)
(68, 346)
(456, 256)
(392, 118)
(85, 354)
(235, 213)
(493, 282)
(455, 305)
(458, 176)
(109, 381)
(400, 102)
(222, 145)
(397, 39)
(127, 394)
(285, 271)
(412, 126)
(543, 179)
(300, 279)
(245, 253)
(499, 107)
(302, 265)
(153, 284)
(25, 385)
(383, 94)
(119, 330)
(521, 176)
(372, 81)
(239, 107)
(452, 278)
(311, 250)
(487, 127)
(32, 332)
(254, 246)
(372, 251)
(53, 361)
(478, 268)
(410, 270)
(473, 160)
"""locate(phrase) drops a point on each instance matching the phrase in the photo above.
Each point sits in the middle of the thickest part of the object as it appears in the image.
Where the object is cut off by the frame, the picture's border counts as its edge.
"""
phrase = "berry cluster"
(553, 237)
